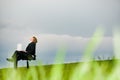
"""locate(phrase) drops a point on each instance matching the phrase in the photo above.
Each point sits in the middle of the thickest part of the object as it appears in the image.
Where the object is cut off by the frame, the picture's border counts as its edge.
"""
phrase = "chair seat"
(31, 57)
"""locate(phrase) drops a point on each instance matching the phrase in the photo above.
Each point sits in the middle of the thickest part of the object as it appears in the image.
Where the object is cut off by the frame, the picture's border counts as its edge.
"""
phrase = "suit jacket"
(31, 48)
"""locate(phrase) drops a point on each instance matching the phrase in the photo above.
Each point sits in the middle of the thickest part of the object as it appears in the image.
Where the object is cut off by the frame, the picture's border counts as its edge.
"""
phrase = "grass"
(93, 70)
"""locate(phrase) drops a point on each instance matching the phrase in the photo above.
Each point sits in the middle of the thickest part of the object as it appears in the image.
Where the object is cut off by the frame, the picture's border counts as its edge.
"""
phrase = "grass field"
(94, 70)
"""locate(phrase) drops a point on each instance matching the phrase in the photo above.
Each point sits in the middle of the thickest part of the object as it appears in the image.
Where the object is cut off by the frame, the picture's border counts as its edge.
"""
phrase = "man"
(27, 54)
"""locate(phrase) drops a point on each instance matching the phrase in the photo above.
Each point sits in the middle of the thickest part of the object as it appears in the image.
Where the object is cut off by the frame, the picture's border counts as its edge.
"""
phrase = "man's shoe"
(10, 59)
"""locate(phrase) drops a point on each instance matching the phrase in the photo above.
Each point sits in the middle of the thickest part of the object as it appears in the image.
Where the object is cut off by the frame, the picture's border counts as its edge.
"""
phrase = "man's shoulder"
(32, 43)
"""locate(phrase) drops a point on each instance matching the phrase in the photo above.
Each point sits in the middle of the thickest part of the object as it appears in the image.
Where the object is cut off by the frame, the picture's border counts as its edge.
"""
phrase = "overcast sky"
(70, 21)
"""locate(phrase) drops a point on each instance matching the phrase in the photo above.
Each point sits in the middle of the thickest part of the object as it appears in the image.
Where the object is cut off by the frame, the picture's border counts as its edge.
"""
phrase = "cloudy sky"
(57, 23)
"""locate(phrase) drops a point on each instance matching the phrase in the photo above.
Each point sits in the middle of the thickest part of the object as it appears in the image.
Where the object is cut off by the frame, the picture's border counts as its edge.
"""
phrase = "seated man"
(29, 54)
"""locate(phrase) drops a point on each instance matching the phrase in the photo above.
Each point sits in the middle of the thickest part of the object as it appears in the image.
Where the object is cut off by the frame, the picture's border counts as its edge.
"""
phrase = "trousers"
(21, 55)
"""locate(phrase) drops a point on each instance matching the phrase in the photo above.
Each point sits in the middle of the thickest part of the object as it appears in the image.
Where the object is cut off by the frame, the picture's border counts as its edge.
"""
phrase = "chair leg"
(27, 64)
(15, 64)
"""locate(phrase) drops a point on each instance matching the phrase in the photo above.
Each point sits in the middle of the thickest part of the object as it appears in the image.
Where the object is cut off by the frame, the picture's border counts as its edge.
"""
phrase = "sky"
(57, 23)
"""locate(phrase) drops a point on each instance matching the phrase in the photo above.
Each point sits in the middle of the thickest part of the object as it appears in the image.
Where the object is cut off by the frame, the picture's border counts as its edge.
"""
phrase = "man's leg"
(14, 57)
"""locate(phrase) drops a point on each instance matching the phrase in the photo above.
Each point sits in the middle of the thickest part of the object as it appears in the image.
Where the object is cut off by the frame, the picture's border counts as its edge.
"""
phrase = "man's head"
(34, 39)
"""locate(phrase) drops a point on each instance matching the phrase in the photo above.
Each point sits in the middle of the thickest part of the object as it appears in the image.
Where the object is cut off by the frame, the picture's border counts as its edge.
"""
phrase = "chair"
(33, 57)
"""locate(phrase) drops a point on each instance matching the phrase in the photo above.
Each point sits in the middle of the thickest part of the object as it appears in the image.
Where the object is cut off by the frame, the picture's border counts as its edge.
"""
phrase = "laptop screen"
(19, 47)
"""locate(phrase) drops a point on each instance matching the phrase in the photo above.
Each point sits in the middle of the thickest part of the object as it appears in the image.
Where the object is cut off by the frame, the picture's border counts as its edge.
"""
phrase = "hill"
(93, 70)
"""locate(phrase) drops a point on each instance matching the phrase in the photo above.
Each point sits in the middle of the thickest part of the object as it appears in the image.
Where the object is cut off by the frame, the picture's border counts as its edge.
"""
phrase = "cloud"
(78, 17)
(49, 45)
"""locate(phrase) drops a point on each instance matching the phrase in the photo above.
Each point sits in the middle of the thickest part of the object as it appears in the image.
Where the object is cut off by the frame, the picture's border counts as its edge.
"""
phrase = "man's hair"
(35, 39)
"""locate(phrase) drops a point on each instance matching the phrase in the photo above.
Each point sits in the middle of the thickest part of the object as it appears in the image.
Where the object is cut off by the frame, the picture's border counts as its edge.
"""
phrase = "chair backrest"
(34, 57)
(30, 57)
